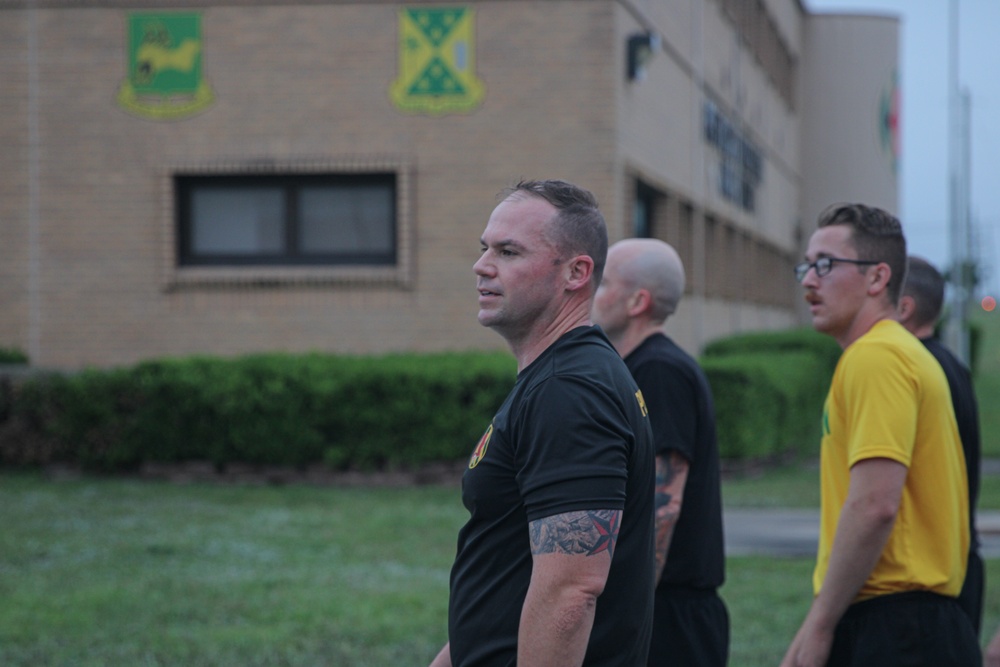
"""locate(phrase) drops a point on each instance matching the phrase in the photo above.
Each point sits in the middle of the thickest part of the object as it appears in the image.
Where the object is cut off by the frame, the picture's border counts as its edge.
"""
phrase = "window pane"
(236, 221)
(640, 218)
(347, 219)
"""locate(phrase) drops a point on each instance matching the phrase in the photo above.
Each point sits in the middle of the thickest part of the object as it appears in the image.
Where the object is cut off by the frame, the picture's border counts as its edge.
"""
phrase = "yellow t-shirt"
(890, 399)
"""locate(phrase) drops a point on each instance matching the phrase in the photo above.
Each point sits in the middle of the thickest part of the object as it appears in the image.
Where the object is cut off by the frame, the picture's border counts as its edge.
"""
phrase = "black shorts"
(971, 597)
(905, 630)
(690, 629)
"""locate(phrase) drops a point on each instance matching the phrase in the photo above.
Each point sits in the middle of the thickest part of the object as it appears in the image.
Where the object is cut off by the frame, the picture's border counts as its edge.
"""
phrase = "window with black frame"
(286, 220)
(644, 210)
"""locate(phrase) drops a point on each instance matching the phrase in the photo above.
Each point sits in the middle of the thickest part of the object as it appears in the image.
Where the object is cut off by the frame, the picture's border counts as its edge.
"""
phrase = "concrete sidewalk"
(794, 532)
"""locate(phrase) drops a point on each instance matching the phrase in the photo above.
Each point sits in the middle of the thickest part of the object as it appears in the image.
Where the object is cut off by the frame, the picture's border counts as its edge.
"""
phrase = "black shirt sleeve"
(573, 449)
(671, 395)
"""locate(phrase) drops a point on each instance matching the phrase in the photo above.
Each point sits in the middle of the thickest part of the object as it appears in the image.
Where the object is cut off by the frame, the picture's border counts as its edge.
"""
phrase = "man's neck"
(635, 335)
(529, 347)
(923, 332)
(864, 321)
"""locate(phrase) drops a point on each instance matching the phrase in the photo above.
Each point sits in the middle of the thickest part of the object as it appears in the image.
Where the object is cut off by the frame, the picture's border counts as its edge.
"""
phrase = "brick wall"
(88, 268)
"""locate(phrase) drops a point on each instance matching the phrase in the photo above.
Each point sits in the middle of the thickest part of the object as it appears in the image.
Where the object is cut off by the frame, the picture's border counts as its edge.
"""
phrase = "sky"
(925, 89)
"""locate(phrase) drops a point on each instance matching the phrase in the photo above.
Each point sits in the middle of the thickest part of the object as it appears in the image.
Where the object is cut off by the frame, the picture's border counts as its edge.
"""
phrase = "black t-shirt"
(571, 436)
(963, 399)
(682, 415)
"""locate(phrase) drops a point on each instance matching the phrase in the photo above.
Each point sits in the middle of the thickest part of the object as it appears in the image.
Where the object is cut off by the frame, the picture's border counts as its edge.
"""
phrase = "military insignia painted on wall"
(888, 121)
(164, 80)
(437, 57)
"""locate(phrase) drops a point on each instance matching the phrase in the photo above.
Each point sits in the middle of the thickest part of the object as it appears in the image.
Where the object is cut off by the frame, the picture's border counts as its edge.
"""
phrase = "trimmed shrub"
(790, 340)
(367, 413)
(277, 409)
(791, 369)
(10, 355)
(748, 405)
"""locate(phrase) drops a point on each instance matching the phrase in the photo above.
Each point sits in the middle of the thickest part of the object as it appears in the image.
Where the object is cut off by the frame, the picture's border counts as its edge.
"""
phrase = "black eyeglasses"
(824, 265)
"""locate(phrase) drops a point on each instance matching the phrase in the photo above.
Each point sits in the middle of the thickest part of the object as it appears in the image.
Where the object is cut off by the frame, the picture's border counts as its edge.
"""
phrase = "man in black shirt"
(553, 566)
(919, 310)
(643, 282)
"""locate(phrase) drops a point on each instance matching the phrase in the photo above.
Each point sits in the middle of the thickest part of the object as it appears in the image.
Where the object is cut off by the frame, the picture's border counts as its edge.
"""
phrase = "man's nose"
(810, 278)
(482, 266)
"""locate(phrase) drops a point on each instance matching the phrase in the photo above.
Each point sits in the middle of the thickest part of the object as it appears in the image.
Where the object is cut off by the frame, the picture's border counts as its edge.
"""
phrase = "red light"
(989, 303)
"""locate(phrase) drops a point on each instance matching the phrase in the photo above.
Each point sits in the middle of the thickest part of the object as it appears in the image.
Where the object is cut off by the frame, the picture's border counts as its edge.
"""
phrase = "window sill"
(241, 277)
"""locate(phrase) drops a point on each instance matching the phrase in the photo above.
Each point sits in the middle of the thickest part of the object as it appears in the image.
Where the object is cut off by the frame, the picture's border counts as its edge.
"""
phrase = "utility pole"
(956, 330)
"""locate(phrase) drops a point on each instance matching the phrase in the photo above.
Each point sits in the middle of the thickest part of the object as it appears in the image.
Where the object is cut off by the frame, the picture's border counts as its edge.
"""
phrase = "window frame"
(290, 186)
(241, 274)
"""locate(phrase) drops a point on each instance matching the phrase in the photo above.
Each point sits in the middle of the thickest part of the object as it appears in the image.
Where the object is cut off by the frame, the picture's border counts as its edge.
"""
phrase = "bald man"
(642, 285)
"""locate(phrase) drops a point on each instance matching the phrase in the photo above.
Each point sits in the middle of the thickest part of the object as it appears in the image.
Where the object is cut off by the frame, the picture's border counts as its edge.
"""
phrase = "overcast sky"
(924, 92)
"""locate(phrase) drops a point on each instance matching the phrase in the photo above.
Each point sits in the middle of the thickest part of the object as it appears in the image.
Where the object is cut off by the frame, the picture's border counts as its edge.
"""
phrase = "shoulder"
(665, 372)
(948, 360)
(659, 351)
(886, 343)
(587, 352)
(582, 360)
(887, 355)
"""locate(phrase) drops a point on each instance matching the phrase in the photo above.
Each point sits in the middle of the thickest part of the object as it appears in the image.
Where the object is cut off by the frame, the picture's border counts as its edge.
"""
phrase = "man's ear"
(638, 302)
(906, 308)
(580, 270)
(878, 278)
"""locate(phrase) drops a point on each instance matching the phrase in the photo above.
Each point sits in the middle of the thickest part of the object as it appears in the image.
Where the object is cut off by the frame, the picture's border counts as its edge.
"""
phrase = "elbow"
(590, 589)
(576, 611)
(881, 513)
(885, 514)
(582, 594)
(885, 507)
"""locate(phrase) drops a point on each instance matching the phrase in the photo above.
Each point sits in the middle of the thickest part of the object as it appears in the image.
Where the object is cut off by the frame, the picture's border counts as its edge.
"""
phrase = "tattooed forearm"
(671, 475)
(666, 519)
(666, 475)
(588, 532)
(666, 470)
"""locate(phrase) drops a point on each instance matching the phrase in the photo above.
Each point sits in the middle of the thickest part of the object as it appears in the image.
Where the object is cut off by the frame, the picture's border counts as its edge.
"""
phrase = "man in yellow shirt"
(894, 529)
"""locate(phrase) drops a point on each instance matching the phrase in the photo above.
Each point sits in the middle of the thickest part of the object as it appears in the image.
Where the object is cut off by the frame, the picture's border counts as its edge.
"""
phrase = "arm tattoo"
(666, 512)
(588, 532)
(665, 474)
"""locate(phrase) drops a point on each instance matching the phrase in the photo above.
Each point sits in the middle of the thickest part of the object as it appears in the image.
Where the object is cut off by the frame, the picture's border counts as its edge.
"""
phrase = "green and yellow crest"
(164, 72)
(437, 61)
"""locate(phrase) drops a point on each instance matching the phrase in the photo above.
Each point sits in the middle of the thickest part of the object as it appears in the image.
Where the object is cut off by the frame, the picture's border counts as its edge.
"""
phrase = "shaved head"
(652, 265)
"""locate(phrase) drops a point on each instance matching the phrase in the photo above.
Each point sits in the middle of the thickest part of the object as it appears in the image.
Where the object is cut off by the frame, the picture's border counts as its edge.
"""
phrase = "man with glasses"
(894, 514)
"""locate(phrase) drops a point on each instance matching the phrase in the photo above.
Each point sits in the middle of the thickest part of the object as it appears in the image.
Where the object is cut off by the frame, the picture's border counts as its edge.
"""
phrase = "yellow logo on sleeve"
(642, 403)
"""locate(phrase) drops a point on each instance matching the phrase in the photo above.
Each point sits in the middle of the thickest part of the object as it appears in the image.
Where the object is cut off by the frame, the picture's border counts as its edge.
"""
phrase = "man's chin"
(820, 325)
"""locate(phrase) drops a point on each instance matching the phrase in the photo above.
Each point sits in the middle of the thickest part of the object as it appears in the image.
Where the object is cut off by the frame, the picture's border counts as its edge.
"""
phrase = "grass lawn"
(107, 572)
(121, 572)
(117, 572)
(987, 383)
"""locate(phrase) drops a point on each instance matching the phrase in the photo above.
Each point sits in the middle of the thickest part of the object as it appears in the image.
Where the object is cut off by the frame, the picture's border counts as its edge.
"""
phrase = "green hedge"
(268, 409)
(769, 389)
(747, 407)
(825, 348)
(10, 355)
(364, 412)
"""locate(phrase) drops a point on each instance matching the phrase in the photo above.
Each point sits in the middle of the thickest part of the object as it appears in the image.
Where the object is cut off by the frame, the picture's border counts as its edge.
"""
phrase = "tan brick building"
(237, 176)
